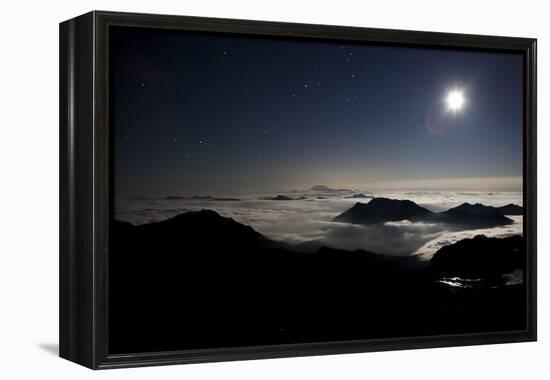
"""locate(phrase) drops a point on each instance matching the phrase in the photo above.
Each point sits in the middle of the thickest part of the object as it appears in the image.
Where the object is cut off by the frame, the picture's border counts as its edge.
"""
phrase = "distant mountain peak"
(359, 196)
(324, 188)
(476, 215)
(382, 209)
(278, 198)
(320, 187)
(467, 205)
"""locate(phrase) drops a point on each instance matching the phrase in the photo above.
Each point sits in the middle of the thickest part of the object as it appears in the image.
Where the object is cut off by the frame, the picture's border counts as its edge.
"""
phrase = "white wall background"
(29, 187)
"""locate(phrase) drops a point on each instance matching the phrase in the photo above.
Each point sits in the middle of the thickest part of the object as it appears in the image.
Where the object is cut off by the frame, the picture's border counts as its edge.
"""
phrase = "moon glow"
(455, 100)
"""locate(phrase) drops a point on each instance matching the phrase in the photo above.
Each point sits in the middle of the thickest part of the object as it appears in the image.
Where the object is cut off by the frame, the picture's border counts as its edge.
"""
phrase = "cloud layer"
(307, 222)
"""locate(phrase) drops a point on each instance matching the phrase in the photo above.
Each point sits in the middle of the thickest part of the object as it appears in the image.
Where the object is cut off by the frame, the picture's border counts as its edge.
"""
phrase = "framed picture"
(239, 189)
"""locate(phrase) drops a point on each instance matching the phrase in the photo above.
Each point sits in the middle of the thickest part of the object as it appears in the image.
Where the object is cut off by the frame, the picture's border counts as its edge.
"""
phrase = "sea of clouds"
(307, 223)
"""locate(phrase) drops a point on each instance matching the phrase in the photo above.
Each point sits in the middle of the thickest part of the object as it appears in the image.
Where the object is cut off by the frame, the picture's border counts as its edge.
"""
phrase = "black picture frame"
(85, 183)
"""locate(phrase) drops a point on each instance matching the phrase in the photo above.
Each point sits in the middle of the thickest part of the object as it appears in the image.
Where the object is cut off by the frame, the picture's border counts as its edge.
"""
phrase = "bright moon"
(455, 100)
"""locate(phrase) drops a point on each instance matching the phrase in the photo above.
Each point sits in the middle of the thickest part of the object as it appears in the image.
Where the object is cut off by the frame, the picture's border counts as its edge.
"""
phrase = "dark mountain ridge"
(480, 257)
(283, 198)
(359, 196)
(323, 188)
(383, 210)
(200, 280)
(475, 215)
(380, 210)
(511, 209)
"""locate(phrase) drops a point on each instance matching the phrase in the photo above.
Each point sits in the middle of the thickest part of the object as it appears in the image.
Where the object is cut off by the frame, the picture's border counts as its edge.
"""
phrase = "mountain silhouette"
(200, 280)
(475, 215)
(480, 257)
(511, 209)
(202, 226)
(323, 188)
(359, 196)
(278, 198)
(380, 210)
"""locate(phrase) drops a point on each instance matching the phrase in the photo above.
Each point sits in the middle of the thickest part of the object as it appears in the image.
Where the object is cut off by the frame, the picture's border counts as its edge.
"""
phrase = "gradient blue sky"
(220, 114)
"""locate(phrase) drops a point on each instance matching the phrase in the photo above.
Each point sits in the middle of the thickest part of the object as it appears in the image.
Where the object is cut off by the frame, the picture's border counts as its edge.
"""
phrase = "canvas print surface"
(273, 191)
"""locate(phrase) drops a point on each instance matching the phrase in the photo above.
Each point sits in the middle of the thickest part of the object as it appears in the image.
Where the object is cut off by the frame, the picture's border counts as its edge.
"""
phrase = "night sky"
(223, 114)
